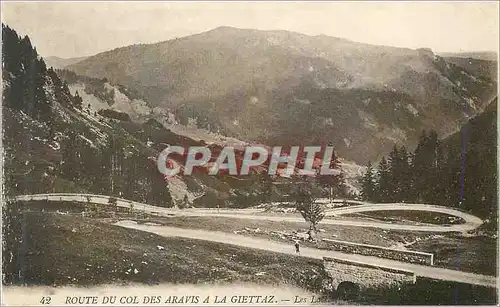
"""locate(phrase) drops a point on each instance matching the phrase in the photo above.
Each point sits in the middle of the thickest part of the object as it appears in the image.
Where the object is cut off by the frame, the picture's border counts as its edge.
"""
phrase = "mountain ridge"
(256, 84)
(58, 62)
(479, 55)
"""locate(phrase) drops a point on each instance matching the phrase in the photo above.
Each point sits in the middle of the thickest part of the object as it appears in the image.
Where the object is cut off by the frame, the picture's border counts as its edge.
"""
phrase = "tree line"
(114, 167)
(27, 79)
(453, 173)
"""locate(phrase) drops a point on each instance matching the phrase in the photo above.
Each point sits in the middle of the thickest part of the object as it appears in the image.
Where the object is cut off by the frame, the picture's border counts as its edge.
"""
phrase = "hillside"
(279, 87)
(99, 95)
(476, 67)
(52, 144)
(474, 150)
(478, 55)
(69, 133)
(59, 63)
(457, 171)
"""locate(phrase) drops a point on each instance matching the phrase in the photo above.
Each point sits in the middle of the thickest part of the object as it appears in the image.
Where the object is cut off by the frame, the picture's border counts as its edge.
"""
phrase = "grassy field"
(347, 233)
(436, 218)
(67, 249)
(472, 254)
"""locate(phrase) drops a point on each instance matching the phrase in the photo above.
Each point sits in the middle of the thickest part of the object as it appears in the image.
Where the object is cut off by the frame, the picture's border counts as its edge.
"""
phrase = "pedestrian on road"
(297, 247)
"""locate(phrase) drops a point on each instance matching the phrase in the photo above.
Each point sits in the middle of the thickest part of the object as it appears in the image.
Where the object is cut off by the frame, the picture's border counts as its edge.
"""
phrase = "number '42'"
(45, 300)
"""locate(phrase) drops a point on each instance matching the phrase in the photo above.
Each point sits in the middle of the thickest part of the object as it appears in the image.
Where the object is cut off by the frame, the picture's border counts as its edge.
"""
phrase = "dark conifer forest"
(458, 171)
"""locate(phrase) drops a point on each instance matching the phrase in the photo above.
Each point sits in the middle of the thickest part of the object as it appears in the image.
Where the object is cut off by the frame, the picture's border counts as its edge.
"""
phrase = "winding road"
(471, 222)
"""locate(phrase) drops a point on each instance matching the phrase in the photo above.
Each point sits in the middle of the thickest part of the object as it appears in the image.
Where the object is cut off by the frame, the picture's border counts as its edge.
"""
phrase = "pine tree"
(433, 181)
(405, 175)
(334, 183)
(422, 163)
(412, 193)
(384, 186)
(400, 174)
(368, 184)
(395, 174)
(450, 177)
(77, 101)
(267, 187)
(115, 161)
(71, 159)
(27, 78)
(159, 193)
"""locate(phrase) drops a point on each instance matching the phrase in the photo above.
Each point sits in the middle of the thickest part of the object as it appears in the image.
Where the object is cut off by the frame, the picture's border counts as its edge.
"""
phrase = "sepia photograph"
(239, 153)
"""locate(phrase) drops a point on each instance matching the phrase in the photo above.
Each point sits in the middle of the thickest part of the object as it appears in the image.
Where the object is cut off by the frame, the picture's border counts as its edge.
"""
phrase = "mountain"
(51, 144)
(477, 67)
(287, 88)
(66, 133)
(99, 95)
(473, 156)
(458, 171)
(59, 63)
(478, 55)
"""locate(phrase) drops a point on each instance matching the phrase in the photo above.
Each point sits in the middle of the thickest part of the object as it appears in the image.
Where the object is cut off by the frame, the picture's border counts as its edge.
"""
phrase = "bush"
(113, 202)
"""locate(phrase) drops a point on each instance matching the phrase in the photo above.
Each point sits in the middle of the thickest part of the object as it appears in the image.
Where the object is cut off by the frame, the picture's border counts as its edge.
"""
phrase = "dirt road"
(268, 245)
(471, 222)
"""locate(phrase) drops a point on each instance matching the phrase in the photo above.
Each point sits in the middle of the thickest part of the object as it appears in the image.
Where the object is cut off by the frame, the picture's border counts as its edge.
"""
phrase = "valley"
(86, 205)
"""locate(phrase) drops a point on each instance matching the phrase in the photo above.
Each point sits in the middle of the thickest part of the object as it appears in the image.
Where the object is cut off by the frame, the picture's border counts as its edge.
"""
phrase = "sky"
(73, 29)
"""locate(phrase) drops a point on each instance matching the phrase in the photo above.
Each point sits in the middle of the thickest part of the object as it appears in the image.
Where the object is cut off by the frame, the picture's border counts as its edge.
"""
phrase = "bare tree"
(311, 211)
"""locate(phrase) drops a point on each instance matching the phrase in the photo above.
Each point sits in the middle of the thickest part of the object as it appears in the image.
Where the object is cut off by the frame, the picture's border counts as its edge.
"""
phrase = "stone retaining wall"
(380, 251)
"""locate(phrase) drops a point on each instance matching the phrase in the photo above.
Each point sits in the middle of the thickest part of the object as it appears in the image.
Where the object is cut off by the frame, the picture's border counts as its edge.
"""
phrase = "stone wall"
(364, 275)
(380, 251)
